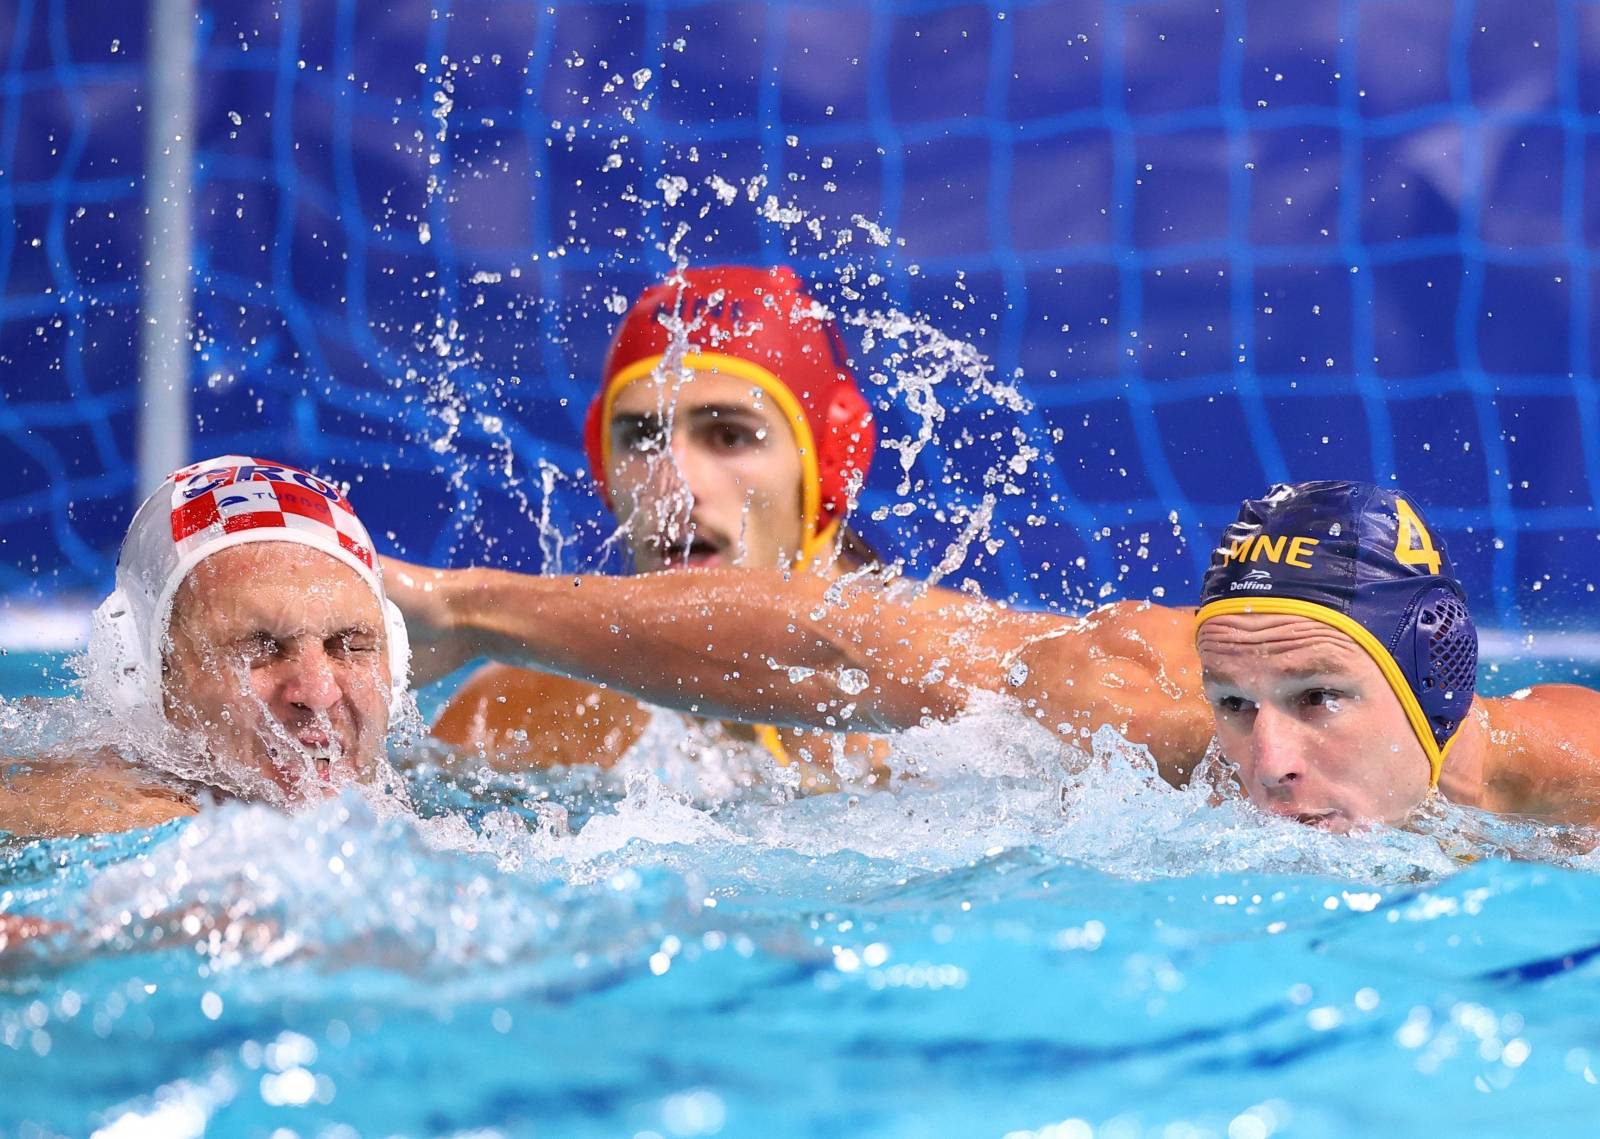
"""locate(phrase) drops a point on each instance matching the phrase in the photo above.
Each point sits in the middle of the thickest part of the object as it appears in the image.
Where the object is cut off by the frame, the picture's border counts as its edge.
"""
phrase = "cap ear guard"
(399, 645)
(116, 656)
(846, 447)
(1443, 660)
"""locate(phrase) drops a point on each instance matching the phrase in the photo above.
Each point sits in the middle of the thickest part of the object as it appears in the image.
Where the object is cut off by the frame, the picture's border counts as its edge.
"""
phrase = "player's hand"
(423, 597)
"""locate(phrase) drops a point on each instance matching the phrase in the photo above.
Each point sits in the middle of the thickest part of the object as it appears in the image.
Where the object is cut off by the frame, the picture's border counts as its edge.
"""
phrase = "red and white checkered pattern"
(209, 500)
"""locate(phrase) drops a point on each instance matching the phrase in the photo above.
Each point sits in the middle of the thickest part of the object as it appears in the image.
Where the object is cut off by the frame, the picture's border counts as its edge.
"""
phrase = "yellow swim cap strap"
(769, 738)
(817, 548)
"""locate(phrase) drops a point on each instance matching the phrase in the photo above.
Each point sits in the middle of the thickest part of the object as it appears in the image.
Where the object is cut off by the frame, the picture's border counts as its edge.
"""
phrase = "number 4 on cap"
(1423, 552)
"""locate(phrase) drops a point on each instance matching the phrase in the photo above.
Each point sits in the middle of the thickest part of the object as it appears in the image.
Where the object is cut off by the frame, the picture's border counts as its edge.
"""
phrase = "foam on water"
(1041, 911)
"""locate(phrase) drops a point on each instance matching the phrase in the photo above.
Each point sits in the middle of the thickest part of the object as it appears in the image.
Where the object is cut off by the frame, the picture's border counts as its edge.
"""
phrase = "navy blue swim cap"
(1361, 559)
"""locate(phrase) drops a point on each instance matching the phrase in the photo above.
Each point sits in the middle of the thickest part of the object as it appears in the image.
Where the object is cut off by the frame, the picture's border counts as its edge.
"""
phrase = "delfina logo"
(1256, 581)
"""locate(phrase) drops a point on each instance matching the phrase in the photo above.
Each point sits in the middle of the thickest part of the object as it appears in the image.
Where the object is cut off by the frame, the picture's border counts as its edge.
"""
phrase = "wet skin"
(276, 658)
(1331, 746)
(1309, 721)
(704, 471)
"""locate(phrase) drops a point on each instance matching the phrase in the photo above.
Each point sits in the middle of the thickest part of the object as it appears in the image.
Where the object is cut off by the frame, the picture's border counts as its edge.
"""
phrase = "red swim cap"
(758, 325)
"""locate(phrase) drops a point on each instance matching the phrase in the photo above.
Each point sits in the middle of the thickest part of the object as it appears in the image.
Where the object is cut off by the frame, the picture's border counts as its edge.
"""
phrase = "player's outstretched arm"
(737, 644)
(768, 647)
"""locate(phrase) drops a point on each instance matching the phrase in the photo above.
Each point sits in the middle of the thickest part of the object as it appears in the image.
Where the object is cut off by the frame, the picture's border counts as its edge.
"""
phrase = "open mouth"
(324, 753)
(675, 551)
(315, 754)
(702, 552)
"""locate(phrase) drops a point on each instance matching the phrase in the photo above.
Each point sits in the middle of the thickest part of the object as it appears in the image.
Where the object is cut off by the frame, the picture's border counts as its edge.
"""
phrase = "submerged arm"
(94, 795)
(796, 649)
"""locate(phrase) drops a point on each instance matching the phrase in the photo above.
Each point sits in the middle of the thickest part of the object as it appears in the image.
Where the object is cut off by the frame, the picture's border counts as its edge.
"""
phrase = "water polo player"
(728, 430)
(1338, 655)
(248, 649)
(1334, 666)
(729, 427)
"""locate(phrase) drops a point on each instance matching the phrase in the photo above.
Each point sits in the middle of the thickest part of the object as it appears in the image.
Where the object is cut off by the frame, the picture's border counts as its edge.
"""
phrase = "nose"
(309, 681)
(663, 484)
(690, 466)
(1278, 753)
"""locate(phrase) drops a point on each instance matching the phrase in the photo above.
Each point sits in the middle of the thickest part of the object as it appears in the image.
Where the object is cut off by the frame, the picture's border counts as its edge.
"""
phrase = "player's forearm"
(733, 644)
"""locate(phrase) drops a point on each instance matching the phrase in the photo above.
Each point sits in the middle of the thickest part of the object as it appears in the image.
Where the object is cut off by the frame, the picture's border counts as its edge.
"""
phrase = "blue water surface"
(1014, 943)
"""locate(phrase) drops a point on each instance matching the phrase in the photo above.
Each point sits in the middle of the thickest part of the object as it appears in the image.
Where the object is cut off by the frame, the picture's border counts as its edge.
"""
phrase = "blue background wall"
(1278, 239)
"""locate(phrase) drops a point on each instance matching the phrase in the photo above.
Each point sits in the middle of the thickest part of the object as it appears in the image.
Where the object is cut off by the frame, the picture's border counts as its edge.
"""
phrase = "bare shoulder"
(1542, 752)
(1143, 626)
(89, 796)
(518, 718)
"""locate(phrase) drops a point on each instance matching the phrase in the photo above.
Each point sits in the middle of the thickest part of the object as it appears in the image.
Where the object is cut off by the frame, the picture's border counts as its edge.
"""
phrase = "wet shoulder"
(62, 797)
(1543, 752)
(1163, 630)
(518, 718)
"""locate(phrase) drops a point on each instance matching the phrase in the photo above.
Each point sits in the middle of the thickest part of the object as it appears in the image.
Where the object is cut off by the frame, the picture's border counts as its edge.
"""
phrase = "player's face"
(1309, 721)
(276, 659)
(704, 471)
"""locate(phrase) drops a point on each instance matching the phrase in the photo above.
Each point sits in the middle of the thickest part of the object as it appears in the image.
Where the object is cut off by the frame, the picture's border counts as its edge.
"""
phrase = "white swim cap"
(198, 511)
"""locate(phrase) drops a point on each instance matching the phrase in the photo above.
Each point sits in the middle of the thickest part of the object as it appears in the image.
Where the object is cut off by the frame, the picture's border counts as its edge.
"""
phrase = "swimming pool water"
(34, 674)
(1008, 944)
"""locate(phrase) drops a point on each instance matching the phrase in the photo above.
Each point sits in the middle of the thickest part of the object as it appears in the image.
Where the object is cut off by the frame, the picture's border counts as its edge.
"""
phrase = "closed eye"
(259, 648)
(351, 642)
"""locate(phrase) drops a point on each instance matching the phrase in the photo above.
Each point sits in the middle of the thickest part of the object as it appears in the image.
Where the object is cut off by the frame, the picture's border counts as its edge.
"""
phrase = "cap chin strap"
(1361, 635)
(131, 682)
(817, 550)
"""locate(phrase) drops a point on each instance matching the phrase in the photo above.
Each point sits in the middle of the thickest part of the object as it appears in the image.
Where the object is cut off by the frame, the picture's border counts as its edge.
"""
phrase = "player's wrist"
(468, 606)
(495, 613)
